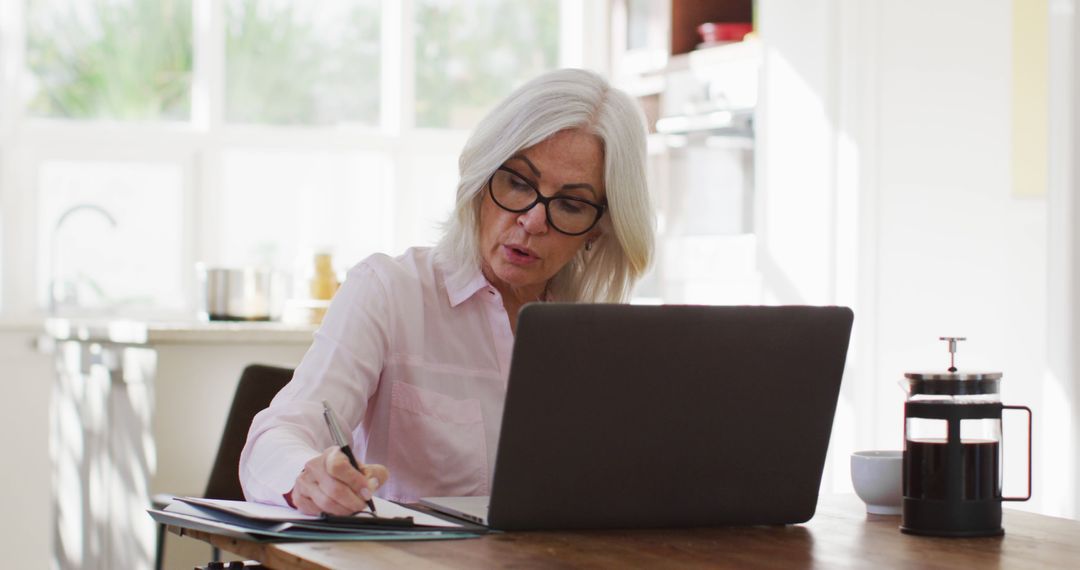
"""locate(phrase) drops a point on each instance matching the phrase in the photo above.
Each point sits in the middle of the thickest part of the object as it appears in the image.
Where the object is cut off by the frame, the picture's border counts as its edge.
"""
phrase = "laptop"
(624, 416)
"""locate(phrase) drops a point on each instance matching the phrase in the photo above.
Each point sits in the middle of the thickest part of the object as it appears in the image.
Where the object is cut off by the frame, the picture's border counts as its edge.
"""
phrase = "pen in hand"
(339, 440)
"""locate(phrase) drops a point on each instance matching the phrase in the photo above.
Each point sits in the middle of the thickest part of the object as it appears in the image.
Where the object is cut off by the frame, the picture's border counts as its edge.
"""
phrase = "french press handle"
(1028, 410)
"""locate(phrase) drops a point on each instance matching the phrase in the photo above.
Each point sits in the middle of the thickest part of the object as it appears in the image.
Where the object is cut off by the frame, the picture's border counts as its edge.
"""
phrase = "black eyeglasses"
(567, 214)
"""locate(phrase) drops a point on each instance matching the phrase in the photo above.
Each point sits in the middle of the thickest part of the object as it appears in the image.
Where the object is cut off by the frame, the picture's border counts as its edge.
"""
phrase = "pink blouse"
(414, 356)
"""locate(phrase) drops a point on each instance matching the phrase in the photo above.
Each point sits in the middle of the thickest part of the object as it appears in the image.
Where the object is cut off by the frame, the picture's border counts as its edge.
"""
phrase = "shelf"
(733, 122)
(687, 15)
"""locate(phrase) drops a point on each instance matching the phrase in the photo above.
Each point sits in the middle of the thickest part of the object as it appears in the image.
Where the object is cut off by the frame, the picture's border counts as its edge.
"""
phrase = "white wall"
(886, 185)
(959, 253)
(795, 139)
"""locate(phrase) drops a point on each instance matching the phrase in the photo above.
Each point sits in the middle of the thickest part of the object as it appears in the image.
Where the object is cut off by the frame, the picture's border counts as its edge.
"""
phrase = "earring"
(588, 245)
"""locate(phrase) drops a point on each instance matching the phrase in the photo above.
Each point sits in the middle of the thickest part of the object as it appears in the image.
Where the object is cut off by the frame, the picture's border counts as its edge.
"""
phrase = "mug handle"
(1028, 410)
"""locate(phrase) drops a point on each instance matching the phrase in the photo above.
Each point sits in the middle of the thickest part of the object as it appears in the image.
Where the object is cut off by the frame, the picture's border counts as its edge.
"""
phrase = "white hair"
(553, 102)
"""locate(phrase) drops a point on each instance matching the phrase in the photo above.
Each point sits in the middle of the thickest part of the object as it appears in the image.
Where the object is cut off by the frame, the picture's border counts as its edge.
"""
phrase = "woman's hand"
(329, 484)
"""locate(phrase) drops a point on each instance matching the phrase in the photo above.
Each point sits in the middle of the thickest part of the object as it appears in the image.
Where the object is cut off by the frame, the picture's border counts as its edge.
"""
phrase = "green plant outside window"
(302, 63)
(469, 55)
(102, 59)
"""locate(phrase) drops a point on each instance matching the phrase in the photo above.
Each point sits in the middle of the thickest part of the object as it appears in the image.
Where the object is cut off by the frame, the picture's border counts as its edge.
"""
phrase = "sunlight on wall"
(798, 200)
(1055, 479)
(858, 390)
(805, 249)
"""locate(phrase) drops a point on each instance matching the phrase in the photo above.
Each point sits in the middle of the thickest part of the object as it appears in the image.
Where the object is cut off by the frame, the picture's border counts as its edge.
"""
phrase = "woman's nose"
(534, 220)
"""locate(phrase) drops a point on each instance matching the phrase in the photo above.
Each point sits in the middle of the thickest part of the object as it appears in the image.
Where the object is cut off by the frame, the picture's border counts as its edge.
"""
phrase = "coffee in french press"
(952, 452)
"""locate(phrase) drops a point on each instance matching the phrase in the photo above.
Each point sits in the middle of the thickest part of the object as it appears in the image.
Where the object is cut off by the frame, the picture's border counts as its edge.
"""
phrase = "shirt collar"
(462, 281)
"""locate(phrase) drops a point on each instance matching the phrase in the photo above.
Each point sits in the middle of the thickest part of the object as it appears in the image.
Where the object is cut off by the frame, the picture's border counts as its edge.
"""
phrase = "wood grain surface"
(841, 535)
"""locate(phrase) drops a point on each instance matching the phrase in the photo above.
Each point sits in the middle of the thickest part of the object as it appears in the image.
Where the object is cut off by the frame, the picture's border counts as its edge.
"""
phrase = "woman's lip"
(519, 255)
(528, 251)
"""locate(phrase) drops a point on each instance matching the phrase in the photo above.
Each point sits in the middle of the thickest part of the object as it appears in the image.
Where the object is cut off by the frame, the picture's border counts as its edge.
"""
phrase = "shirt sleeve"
(342, 366)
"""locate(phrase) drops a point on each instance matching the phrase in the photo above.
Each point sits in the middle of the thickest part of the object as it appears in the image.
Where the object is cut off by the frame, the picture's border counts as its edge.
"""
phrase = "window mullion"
(209, 119)
(399, 65)
(584, 25)
(399, 102)
(571, 34)
(208, 65)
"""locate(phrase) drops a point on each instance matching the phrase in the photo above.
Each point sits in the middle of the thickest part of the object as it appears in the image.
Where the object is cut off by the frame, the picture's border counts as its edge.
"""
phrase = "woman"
(414, 351)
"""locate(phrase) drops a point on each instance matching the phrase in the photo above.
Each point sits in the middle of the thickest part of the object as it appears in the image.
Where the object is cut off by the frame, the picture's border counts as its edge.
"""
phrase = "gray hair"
(553, 102)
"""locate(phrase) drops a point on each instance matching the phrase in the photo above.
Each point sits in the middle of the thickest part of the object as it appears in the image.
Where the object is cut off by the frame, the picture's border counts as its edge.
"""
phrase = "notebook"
(623, 416)
(253, 521)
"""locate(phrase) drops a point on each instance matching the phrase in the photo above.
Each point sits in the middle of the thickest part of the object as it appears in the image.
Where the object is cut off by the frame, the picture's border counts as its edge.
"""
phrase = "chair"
(257, 387)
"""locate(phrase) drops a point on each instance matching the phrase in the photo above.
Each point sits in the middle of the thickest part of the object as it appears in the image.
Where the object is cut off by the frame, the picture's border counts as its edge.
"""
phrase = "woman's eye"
(569, 206)
(519, 185)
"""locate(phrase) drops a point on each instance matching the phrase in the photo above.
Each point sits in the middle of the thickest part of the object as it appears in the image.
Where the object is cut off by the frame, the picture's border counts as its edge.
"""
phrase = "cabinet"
(103, 456)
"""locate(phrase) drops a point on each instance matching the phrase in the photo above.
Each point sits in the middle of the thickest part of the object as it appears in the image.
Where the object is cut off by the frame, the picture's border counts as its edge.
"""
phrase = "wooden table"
(840, 535)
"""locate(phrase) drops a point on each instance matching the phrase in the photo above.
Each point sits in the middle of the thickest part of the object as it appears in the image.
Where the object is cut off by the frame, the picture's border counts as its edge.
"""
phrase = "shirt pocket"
(437, 445)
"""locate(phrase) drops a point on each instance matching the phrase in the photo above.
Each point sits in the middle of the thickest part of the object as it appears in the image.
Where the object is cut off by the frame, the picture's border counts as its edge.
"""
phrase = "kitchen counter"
(138, 407)
(155, 332)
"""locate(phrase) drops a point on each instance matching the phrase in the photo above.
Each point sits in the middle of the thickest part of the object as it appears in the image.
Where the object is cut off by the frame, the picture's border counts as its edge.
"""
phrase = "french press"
(952, 452)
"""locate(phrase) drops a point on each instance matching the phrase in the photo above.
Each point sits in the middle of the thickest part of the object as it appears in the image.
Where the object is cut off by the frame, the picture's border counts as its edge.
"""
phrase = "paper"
(252, 510)
(259, 511)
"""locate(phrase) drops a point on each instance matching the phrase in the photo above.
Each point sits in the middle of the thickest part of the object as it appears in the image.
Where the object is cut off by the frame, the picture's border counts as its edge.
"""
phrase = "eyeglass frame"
(545, 200)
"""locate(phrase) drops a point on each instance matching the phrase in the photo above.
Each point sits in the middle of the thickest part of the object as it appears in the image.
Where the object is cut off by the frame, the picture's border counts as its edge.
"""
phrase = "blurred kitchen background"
(913, 160)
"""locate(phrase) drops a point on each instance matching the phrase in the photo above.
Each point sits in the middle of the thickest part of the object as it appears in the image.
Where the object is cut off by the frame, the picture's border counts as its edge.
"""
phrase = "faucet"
(53, 244)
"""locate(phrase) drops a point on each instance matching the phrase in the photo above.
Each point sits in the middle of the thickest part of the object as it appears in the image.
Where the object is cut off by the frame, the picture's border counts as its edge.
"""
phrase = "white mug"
(877, 477)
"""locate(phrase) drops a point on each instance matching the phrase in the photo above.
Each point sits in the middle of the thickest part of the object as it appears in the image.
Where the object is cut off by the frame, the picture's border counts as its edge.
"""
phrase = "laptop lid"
(622, 416)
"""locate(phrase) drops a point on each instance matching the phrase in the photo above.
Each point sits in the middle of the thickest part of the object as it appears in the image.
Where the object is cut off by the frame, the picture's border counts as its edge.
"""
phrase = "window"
(303, 200)
(302, 64)
(242, 132)
(471, 54)
(124, 59)
(112, 233)
(428, 190)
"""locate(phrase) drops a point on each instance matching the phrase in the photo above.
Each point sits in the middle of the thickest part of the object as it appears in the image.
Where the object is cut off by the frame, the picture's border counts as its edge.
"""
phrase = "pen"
(339, 440)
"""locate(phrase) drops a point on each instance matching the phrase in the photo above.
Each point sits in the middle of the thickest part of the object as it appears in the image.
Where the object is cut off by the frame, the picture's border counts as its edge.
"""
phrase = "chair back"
(258, 385)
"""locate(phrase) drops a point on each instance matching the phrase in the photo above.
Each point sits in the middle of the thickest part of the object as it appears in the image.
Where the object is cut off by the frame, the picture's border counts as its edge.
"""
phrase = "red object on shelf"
(712, 32)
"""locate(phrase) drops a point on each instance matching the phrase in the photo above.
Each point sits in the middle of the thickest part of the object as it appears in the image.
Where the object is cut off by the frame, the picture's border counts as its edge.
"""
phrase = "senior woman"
(414, 351)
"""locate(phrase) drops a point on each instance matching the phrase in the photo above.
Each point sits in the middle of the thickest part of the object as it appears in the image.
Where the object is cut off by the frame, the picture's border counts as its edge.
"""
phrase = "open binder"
(253, 521)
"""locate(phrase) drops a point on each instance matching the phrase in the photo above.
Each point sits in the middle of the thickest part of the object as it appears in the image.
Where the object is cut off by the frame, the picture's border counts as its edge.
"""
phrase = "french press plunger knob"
(952, 349)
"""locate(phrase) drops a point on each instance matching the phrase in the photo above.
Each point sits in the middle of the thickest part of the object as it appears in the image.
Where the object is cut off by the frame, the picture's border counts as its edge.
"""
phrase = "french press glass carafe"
(952, 452)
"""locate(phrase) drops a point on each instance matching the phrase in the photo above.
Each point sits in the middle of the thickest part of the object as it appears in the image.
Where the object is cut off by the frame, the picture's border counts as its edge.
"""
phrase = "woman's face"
(521, 251)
